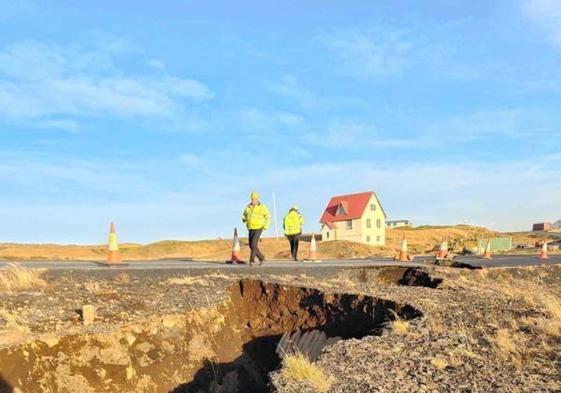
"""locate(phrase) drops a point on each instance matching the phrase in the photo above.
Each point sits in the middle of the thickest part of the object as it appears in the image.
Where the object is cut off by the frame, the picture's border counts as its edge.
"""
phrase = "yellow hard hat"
(254, 195)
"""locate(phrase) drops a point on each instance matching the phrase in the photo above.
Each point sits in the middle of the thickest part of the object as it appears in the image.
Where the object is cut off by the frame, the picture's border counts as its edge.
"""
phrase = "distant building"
(398, 223)
(355, 217)
(541, 226)
(556, 224)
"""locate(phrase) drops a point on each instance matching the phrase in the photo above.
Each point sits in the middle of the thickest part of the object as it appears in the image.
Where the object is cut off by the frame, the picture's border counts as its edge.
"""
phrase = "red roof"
(353, 205)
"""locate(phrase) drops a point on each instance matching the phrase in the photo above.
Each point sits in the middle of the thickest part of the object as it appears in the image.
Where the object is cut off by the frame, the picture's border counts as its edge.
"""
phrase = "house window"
(372, 206)
(378, 223)
(367, 239)
(378, 239)
(327, 235)
(349, 224)
(368, 223)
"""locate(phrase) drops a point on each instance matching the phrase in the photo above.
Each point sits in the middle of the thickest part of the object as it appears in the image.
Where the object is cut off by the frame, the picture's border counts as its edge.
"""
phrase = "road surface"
(499, 261)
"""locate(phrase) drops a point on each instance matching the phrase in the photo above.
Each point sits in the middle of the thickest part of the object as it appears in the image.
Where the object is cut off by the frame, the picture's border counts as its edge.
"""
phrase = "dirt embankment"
(419, 239)
(227, 347)
(430, 329)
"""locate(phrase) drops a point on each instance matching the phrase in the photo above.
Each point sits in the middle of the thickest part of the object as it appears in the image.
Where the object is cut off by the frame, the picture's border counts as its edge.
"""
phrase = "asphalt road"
(496, 262)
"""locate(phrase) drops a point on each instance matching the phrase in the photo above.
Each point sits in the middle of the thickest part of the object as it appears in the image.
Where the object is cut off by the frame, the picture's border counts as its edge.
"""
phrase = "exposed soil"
(459, 330)
(229, 346)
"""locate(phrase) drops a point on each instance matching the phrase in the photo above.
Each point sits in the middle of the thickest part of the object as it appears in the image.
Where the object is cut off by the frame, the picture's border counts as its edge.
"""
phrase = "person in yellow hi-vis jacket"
(292, 224)
(256, 217)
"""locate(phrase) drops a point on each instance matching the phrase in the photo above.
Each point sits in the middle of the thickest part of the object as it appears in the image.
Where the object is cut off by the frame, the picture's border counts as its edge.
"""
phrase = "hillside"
(420, 240)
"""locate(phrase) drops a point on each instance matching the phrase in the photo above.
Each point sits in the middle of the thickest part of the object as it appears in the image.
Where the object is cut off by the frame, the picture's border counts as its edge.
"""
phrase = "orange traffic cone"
(235, 259)
(114, 256)
(543, 253)
(403, 253)
(443, 250)
(487, 253)
(313, 254)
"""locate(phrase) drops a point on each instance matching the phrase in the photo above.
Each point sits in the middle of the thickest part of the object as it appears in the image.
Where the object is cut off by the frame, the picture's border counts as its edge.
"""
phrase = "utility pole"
(275, 216)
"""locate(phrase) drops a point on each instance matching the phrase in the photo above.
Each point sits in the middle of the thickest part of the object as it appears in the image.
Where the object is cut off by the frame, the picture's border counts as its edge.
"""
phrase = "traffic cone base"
(487, 254)
(543, 253)
(442, 253)
(313, 255)
(403, 255)
(235, 259)
(114, 257)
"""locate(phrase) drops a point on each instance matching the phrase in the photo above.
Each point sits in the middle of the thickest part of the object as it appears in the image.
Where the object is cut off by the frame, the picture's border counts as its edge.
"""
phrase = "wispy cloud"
(191, 160)
(360, 135)
(547, 15)
(259, 122)
(370, 53)
(290, 87)
(511, 123)
(40, 80)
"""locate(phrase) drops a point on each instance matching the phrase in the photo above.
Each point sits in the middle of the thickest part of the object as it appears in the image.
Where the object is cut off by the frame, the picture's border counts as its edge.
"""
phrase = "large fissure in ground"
(229, 347)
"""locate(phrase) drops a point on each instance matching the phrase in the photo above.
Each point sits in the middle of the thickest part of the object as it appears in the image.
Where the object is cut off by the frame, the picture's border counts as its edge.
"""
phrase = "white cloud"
(58, 124)
(39, 80)
(289, 87)
(191, 160)
(79, 197)
(512, 123)
(372, 53)
(39, 174)
(257, 122)
(360, 135)
(482, 193)
(156, 64)
(547, 15)
(553, 157)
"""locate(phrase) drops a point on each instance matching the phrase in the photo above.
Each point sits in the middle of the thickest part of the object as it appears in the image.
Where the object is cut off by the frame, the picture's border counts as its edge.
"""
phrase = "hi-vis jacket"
(256, 217)
(293, 223)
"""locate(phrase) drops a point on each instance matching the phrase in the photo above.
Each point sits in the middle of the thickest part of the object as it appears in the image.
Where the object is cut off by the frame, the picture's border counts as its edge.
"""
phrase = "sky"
(164, 116)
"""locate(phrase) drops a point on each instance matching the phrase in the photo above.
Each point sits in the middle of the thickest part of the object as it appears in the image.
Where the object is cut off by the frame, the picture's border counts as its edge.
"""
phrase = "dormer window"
(342, 209)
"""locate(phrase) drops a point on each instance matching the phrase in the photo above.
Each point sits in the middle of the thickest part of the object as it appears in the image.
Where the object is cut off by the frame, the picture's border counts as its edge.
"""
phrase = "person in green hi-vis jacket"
(256, 217)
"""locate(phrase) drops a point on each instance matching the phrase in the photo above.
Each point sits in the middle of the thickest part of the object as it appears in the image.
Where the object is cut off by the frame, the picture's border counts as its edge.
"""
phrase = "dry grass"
(122, 278)
(531, 291)
(92, 286)
(17, 279)
(505, 343)
(552, 305)
(187, 280)
(400, 327)
(544, 325)
(218, 276)
(439, 363)
(297, 367)
(13, 322)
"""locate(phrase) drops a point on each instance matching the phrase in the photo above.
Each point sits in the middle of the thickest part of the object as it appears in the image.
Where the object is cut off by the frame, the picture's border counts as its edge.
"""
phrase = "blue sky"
(165, 116)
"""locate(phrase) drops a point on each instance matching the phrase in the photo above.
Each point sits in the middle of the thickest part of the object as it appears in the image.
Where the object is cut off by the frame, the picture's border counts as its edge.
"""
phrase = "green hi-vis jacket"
(293, 223)
(256, 217)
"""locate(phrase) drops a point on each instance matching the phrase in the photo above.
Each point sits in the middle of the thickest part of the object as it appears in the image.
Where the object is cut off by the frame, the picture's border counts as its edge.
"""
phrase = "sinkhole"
(261, 313)
(230, 346)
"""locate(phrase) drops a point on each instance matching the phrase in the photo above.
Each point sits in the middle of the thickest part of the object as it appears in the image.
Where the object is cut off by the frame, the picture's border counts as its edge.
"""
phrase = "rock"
(88, 314)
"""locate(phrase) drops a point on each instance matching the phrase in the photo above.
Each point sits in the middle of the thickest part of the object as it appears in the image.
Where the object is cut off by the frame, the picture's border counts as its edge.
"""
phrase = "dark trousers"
(294, 240)
(254, 235)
